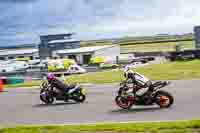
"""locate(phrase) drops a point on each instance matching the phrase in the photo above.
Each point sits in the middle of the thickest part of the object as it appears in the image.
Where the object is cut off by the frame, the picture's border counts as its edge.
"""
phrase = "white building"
(9, 54)
(81, 55)
(84, 54)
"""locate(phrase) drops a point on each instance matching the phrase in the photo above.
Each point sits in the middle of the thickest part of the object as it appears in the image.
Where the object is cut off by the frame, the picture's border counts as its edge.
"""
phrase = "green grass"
(173, 70)
(152, 47)
(146, 44)
(97, 77)
(166, 71)
(157, 47)
(27, 84)
(153, 127)
(178, 70)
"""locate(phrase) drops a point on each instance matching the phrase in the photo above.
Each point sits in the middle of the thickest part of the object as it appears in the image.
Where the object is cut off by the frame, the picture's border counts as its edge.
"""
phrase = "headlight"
(83, 91)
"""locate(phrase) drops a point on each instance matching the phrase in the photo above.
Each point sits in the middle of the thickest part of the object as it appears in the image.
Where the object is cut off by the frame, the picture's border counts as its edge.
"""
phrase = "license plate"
(83, 91)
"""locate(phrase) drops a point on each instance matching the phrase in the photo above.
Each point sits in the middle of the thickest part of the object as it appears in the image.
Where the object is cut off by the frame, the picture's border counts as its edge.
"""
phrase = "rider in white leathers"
(134, 77)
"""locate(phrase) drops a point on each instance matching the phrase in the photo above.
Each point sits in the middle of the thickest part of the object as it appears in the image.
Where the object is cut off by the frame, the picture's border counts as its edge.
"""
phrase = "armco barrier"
(17, 80)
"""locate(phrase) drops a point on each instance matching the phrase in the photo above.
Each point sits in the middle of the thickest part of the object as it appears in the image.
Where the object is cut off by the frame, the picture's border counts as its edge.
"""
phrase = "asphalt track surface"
(23, 106)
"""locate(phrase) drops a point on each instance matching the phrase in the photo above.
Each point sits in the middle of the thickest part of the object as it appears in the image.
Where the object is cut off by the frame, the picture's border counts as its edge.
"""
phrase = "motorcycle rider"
(134, 78)
(57, 83)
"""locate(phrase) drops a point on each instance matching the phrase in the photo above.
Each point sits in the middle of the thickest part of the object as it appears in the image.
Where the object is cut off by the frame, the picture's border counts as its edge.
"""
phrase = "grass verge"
(157, 47)
(167, 71)
(33, 83)
(192, 126)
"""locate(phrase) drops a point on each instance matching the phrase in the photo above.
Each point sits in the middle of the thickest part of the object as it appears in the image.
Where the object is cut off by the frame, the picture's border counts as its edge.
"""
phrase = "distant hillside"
(19, 46)
(140, 40)
(135, 44)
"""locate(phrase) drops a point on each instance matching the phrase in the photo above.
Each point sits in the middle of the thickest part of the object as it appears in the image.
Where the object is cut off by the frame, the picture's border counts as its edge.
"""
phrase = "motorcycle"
(153, 95)
(48, 94)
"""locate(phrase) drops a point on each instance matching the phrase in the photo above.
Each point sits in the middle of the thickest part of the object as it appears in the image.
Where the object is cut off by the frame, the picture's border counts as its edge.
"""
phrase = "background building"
(63, 46)
(50, 43)
(8, 54)
(84, 54)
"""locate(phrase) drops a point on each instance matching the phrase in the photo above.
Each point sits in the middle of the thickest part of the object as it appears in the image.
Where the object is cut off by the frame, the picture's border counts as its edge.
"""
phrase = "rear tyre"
(164, 99)
(81, 96)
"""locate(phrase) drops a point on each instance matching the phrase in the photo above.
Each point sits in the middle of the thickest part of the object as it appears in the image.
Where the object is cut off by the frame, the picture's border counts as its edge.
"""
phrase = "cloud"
(17, 1)
(152, 17)
(93, 19)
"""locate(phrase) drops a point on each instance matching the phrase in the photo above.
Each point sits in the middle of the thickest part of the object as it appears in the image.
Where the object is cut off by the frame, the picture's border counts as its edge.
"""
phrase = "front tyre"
(164, 99)
(45, 97)
(44, 85)
(123, 102)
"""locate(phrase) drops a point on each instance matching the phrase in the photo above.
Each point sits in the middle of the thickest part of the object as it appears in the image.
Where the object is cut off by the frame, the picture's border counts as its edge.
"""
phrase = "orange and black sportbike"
(126, 99)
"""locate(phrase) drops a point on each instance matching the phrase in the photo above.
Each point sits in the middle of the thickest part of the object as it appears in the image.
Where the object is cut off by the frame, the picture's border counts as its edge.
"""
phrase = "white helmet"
(127, 71)
(127, 68)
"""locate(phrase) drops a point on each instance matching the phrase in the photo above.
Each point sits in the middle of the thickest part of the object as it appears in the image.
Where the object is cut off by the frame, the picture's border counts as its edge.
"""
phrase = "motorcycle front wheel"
(47, 99)
(123, 102)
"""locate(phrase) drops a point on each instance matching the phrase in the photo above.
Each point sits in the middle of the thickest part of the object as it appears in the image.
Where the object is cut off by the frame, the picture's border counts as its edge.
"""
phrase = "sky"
(22, 21)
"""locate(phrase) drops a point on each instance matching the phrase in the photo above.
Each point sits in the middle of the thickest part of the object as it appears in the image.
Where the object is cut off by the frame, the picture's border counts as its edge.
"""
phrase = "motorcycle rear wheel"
(164, 99)
(81, 98)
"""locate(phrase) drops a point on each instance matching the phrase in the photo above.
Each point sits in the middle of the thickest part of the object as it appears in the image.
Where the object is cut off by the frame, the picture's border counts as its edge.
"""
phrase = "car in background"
(185, 56)
(33, 62)
(13, 66)
(181, 56)
(144, 59)
(135, 64)
(37, 65)
(108, 66)
(75, 69)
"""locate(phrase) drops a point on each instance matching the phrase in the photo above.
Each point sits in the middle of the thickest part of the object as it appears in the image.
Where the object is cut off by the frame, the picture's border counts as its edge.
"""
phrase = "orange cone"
(1, 85)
